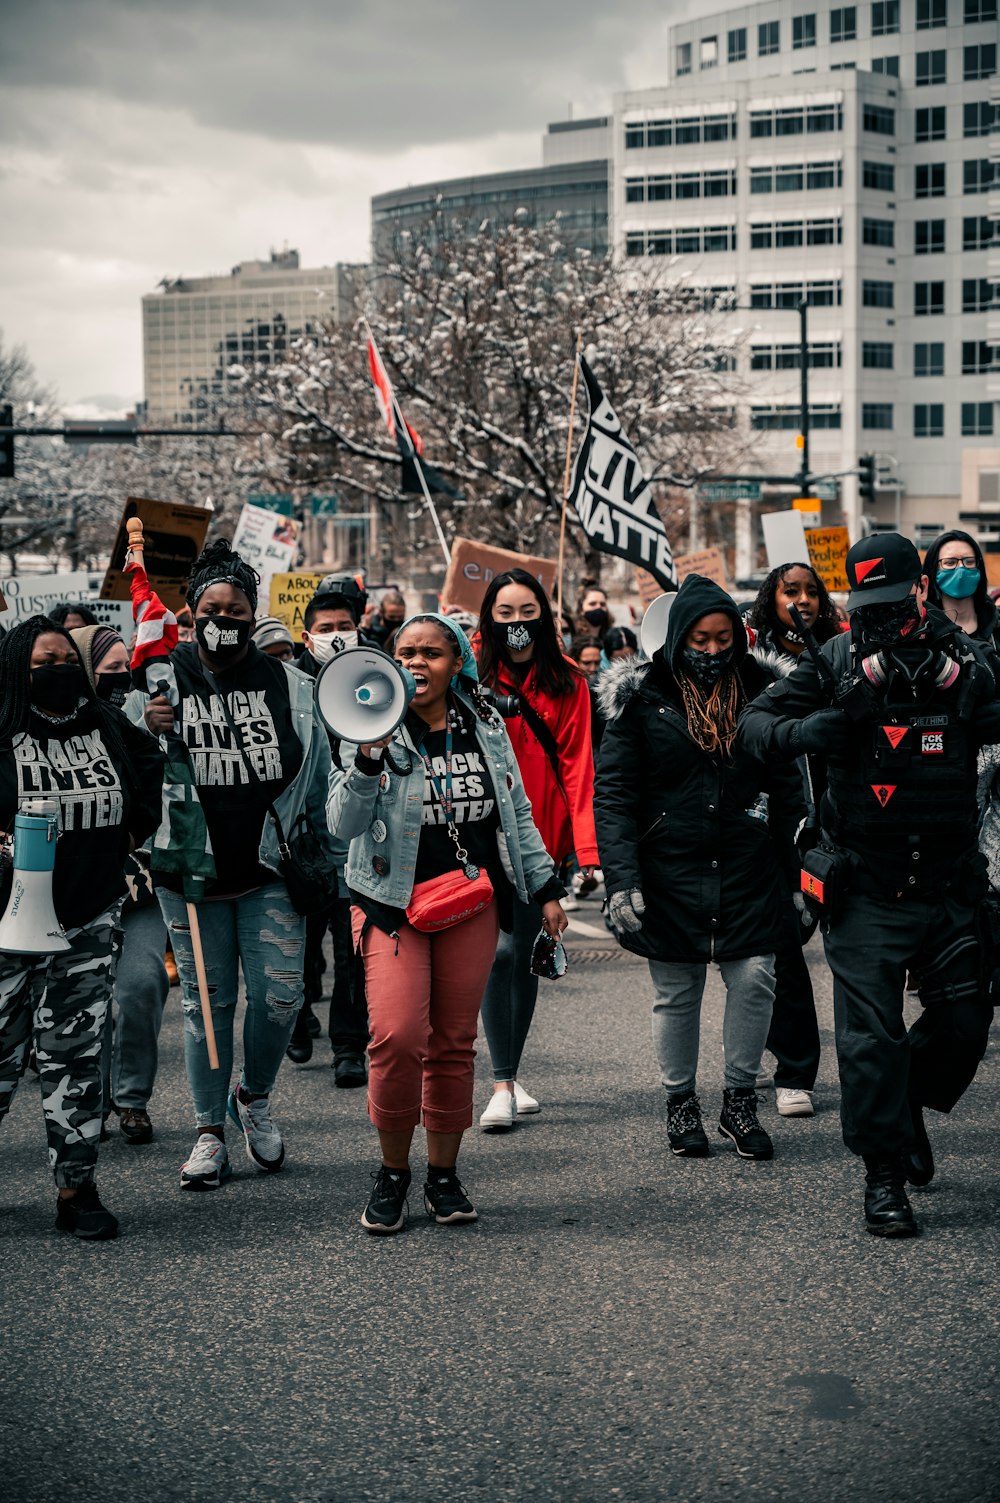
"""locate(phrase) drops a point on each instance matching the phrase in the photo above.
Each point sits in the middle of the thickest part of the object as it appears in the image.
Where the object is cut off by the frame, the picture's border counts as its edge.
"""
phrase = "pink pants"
(423, 1007)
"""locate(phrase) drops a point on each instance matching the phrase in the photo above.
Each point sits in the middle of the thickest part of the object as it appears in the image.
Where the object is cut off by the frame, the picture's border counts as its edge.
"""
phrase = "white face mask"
(325, 644)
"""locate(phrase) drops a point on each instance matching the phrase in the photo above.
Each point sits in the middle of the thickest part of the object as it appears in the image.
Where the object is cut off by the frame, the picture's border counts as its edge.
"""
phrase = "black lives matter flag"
(612, 496)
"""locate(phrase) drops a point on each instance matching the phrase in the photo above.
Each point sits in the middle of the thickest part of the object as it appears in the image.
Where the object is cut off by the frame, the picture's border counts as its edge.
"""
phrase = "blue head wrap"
(468, 668)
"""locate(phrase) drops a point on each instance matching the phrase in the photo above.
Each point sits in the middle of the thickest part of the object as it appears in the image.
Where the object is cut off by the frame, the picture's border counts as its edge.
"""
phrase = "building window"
(788, 357)
(928, 420)
(709, 53)
(889, 65)
(977, 233)
(797, 120)
(879, 175)
(635, 136)
(803, 32)
(885, 18)
(683, 59)
(737, 45)
(878, 232)
(977, 357)
(928, 237)
(788, 235)
(844, 24)
(932, 68)
(929, 180)
(931, 14)
(879, 120)
(929, 124)
(876, 415)
(977, 175)
(788, 419)
(768, 38)
(876, 356)
(977, 118)
(928, 359)
(977, 295)
(980, 10)
(928, 299)
(977, 419)
(661, 187)
(979, 61)
(791, 294)
(877, 294)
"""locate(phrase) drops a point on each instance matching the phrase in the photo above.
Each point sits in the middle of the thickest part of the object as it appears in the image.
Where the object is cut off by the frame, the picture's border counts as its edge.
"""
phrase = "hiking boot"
(84, 1216)
(134, 1124)
(385, 1212)
(685, 1133)
(739, 1124)
(444, 1198)
(262, 1138)
(207, 1165)
(918, 1164)
(888, 1213)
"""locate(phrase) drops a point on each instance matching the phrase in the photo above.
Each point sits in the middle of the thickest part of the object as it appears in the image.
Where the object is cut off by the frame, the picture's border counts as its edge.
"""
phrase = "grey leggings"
(509, 1001)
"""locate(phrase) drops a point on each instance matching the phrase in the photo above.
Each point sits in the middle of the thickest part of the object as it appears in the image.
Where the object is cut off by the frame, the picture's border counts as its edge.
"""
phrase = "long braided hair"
(712, 718)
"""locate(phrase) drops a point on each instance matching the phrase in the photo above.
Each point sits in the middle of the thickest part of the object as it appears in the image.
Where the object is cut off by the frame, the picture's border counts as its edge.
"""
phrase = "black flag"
(612, 496)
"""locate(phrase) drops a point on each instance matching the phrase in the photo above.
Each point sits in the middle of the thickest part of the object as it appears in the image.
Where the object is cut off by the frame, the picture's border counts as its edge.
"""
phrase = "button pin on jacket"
(378, 832)
(380, 866)
(383, 781)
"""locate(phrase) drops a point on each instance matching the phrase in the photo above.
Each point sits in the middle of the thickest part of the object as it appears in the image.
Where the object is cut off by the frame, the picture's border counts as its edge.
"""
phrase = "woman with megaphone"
(71, 759)
(442, 845)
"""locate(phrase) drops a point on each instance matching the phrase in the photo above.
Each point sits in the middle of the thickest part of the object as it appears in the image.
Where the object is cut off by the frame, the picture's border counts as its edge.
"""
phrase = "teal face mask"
(958, 584)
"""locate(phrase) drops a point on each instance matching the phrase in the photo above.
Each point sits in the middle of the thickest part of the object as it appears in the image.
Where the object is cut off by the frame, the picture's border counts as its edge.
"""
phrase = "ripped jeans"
(261, 932)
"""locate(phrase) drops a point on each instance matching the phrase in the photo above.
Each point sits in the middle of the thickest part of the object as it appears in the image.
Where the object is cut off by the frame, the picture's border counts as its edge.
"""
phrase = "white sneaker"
(527, 1106)
(501, 1114)
(764, 1081)
(570, 902)
(793, 1103)
(208, 1164)
(262, 1138)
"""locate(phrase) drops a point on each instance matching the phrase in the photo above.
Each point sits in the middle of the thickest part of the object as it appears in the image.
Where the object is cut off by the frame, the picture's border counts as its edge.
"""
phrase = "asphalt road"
(618, 1324)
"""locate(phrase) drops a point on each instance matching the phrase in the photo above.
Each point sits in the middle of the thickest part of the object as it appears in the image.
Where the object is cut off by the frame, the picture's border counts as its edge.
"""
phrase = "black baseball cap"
(881, 569)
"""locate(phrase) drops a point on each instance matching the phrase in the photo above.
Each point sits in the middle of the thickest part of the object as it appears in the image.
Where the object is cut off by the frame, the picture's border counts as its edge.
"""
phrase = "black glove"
(824, 732)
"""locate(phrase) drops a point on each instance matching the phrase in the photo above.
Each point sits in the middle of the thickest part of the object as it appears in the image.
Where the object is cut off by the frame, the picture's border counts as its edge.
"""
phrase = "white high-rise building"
(194, 329)
(841, 155)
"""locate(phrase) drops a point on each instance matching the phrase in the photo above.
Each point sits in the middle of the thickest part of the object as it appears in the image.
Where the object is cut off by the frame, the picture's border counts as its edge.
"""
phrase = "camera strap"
(541, 733)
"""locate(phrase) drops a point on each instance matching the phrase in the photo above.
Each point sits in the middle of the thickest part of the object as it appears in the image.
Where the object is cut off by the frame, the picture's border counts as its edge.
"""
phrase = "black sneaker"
(445, 1200)
(739, 1124)
(684, 1130)
(349, 1071)
(134, 1125)
(918, 1164)
(300, 1045)
(385, 1212)
(84, 1216)
(313, 1024)
(888, 1212)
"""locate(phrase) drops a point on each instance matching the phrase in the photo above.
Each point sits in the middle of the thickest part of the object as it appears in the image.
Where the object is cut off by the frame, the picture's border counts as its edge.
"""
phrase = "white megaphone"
(653, 631)
(362, 694)
(30, 926)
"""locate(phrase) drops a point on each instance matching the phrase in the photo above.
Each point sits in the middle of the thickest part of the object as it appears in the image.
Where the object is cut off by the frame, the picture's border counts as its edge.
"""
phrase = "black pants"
(870, 948)
(793, 1037)
(348, 1004)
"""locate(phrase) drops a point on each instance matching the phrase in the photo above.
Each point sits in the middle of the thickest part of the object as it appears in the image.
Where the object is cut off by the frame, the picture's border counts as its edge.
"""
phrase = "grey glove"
(625, 910)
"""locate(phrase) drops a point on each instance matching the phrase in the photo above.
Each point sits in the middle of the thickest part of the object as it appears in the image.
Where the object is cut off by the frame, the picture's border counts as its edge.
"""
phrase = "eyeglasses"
(957, 563)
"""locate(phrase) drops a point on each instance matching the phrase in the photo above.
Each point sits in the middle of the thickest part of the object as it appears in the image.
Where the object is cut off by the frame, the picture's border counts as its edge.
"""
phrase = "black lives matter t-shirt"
(474, 807)
(235, 798)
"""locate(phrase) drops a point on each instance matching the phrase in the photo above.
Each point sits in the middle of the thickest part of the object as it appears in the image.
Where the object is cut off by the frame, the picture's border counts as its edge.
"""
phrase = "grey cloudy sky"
(139, 139)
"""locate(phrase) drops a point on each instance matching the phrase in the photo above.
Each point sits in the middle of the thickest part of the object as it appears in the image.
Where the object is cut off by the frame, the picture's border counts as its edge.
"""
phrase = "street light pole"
(804, 397)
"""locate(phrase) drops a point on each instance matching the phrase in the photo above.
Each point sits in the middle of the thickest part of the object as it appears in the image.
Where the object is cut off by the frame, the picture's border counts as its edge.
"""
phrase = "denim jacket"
(362, 805)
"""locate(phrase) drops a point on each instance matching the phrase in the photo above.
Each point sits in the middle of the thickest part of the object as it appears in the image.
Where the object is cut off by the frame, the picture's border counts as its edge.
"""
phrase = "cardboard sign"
(38, 594)
(647, 586)
(707, 561)
(267, 541)
(290, 594)
(173, 535)
(827, 551)
(784, 537)
(474, 565)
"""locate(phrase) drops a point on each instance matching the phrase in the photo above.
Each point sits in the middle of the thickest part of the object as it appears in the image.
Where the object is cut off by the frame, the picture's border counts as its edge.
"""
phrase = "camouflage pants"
(62, 1001)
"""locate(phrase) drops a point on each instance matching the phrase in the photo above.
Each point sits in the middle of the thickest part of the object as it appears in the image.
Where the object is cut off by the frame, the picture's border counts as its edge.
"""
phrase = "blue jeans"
(262, 933)
(141, 988)
(678, 992)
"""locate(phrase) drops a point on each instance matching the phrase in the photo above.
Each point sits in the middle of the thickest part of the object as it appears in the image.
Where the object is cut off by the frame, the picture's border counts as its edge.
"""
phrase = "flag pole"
(566, 478)
(401, 421)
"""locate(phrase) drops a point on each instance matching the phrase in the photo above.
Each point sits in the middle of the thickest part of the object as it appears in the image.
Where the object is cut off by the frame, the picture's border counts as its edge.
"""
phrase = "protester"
(586, 653)
(769, 616)
(272, 637)
(185, 625)
(72, 616)
(619, 642)
(520, 654)
(957, 583)
(59, 742)
(386, 618)
(592, 613)
(440, 798)
(691, 872)
(254, 745)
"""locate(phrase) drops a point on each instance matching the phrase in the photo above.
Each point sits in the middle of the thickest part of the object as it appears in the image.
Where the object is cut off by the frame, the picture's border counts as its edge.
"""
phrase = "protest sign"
(37, 594)
(474, 565)
(267, 541)
(647, 586)
(784, 537)
(290, 594)
(174, 535)
(709, 562)
(827, 551)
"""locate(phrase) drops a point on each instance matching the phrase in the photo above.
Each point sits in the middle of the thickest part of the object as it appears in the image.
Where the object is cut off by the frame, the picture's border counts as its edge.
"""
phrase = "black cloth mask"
(885, 625)
(597, 617)
(113, 687)
(515, 635)
(222, 637)
(57, 687)
(705, 668)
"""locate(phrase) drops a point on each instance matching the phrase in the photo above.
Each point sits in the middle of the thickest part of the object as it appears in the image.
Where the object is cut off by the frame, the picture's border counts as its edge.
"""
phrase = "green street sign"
(729, 490)
(325, 506)
(281, 504)
(826, 490)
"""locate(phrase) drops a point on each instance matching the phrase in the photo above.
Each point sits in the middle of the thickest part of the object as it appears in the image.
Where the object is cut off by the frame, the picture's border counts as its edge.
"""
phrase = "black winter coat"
(674, 821)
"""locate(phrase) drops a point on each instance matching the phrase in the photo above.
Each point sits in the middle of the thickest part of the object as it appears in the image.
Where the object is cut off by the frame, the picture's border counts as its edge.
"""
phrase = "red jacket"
(563, 810)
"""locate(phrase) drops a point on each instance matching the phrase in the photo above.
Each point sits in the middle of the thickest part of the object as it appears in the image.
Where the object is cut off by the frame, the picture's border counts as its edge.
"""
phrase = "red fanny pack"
(450, 899)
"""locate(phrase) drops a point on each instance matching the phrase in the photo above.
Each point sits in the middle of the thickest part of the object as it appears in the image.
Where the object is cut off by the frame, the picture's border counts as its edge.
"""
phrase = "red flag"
(386, 401)
(156, 634)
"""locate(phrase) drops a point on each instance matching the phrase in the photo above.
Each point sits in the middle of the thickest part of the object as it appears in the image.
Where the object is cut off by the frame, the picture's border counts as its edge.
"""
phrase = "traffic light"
(6, 443)
(866, 478)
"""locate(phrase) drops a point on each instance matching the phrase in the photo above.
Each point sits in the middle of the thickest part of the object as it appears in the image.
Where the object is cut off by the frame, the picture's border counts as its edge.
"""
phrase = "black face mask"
(515, 635)
(705, 668)
(597, 617)
(222, 637)
(113, 687)
(885, 625)
(56, 687)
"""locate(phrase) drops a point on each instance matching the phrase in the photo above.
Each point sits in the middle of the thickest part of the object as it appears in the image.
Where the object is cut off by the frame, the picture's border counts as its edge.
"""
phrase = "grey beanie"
(269, 631)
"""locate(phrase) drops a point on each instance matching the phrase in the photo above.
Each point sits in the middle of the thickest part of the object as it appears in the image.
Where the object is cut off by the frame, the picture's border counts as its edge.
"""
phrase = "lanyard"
(446, 801)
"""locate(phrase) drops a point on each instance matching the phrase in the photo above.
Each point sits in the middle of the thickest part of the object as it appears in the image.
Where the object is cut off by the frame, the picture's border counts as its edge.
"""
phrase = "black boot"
(300, 1045)
(888, 1213)
(739, 1123)
(349, 1069)
(684, 1130)
(918, 1164)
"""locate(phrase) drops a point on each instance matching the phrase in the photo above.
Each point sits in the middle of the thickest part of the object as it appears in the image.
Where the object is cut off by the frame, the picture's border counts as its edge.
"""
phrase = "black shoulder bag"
(310, 878)
(541, 733)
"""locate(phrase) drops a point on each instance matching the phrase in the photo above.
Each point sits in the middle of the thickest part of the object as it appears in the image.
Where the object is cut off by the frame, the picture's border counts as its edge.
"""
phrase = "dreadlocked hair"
(218, 564)
(712, 718)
